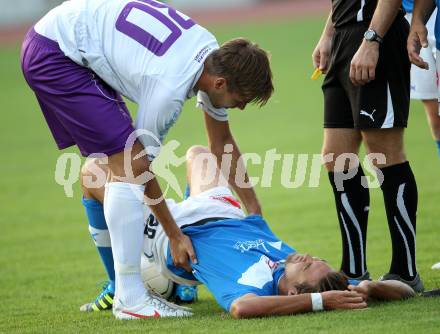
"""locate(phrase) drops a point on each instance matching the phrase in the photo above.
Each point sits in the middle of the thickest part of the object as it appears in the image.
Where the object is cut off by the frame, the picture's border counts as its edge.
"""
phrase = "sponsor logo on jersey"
(245, 246)
(202, 54)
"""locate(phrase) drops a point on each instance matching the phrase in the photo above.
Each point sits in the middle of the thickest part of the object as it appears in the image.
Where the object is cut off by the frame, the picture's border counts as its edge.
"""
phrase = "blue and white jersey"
(408, 5)
(236, 257)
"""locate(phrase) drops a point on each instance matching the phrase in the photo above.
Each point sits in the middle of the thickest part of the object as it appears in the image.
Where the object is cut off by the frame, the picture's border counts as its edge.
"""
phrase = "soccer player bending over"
(250, 271)
(82, 57)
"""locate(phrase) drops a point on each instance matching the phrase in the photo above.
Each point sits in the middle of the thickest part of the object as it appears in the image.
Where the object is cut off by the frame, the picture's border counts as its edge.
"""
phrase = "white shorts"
(424, 83)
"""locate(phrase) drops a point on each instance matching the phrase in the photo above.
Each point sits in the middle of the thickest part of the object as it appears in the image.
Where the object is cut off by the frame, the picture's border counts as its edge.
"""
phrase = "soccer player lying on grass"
(250, 272)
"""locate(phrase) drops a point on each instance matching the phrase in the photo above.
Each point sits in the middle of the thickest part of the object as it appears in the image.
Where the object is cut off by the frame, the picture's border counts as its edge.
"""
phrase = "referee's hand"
(418, 38)
(364, 62)
(321, 54)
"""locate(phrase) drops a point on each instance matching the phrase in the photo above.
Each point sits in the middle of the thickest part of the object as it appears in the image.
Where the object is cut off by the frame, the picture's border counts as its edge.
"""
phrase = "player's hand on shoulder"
(182, 252)
(418, 38)
(321, 54)
(343, 300)
(364, 62)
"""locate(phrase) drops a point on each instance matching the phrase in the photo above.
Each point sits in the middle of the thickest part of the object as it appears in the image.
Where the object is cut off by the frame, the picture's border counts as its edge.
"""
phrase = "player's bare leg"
(194, 167)
(400, 195)
(388, 142)
(432, 114)
(202, 171)
(125, 215)
(92, 173)
(93, 177)
(123, 209)
(114, 171)
(91, 187)
(339, 142)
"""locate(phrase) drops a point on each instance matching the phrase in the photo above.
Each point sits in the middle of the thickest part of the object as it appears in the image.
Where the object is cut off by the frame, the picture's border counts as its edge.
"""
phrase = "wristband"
(317, 304)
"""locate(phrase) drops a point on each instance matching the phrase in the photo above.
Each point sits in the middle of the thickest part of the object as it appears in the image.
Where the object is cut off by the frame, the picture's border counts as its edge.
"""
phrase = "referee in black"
(363, 52)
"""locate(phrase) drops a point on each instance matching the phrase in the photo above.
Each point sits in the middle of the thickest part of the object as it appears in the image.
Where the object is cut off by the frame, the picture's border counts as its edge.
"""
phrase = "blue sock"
(438, 147)
(183, 292)
(99, 232)
(187, 192)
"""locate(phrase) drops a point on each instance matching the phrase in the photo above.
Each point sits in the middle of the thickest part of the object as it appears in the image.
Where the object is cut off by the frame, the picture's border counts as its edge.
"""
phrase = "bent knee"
(195, 150)
(388, 142)
(90, 166)
(93, 174)
(239, 311)
(339, 158)
(86, 169)
(236, 311)
(129, 164)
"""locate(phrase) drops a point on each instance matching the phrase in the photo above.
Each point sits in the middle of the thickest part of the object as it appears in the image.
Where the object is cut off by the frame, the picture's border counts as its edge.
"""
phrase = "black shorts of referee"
(381, 103)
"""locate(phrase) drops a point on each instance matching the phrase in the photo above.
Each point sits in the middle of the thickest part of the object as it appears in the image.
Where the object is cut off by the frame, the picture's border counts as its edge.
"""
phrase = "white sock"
(125, 215)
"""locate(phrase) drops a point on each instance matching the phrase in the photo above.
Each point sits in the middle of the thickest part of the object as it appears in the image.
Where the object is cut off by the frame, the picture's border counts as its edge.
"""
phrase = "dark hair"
(332, 281)
(246, 68)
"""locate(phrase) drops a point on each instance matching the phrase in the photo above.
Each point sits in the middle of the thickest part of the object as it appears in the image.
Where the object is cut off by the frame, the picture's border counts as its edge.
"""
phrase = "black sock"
(400, 195)
(352, 204)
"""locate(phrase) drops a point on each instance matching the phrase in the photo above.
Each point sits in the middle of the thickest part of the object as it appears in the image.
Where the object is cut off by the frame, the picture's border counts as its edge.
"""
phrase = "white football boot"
(436, 266)
(153, 306)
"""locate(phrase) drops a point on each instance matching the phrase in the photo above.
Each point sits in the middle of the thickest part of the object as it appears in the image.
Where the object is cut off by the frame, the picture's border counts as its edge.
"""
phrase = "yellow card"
(316, 74)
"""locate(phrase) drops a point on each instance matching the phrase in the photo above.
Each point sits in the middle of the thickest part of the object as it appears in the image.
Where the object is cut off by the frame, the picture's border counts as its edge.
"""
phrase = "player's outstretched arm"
(383, 290)
(251, 306)
(220, 135)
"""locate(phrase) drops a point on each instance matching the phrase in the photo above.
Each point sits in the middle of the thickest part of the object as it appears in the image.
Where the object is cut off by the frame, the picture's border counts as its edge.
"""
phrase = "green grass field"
(48, 264)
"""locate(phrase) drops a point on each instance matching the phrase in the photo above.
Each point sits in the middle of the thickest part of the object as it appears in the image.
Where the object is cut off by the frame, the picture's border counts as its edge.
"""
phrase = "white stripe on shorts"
(360, 14)
(389, 119)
